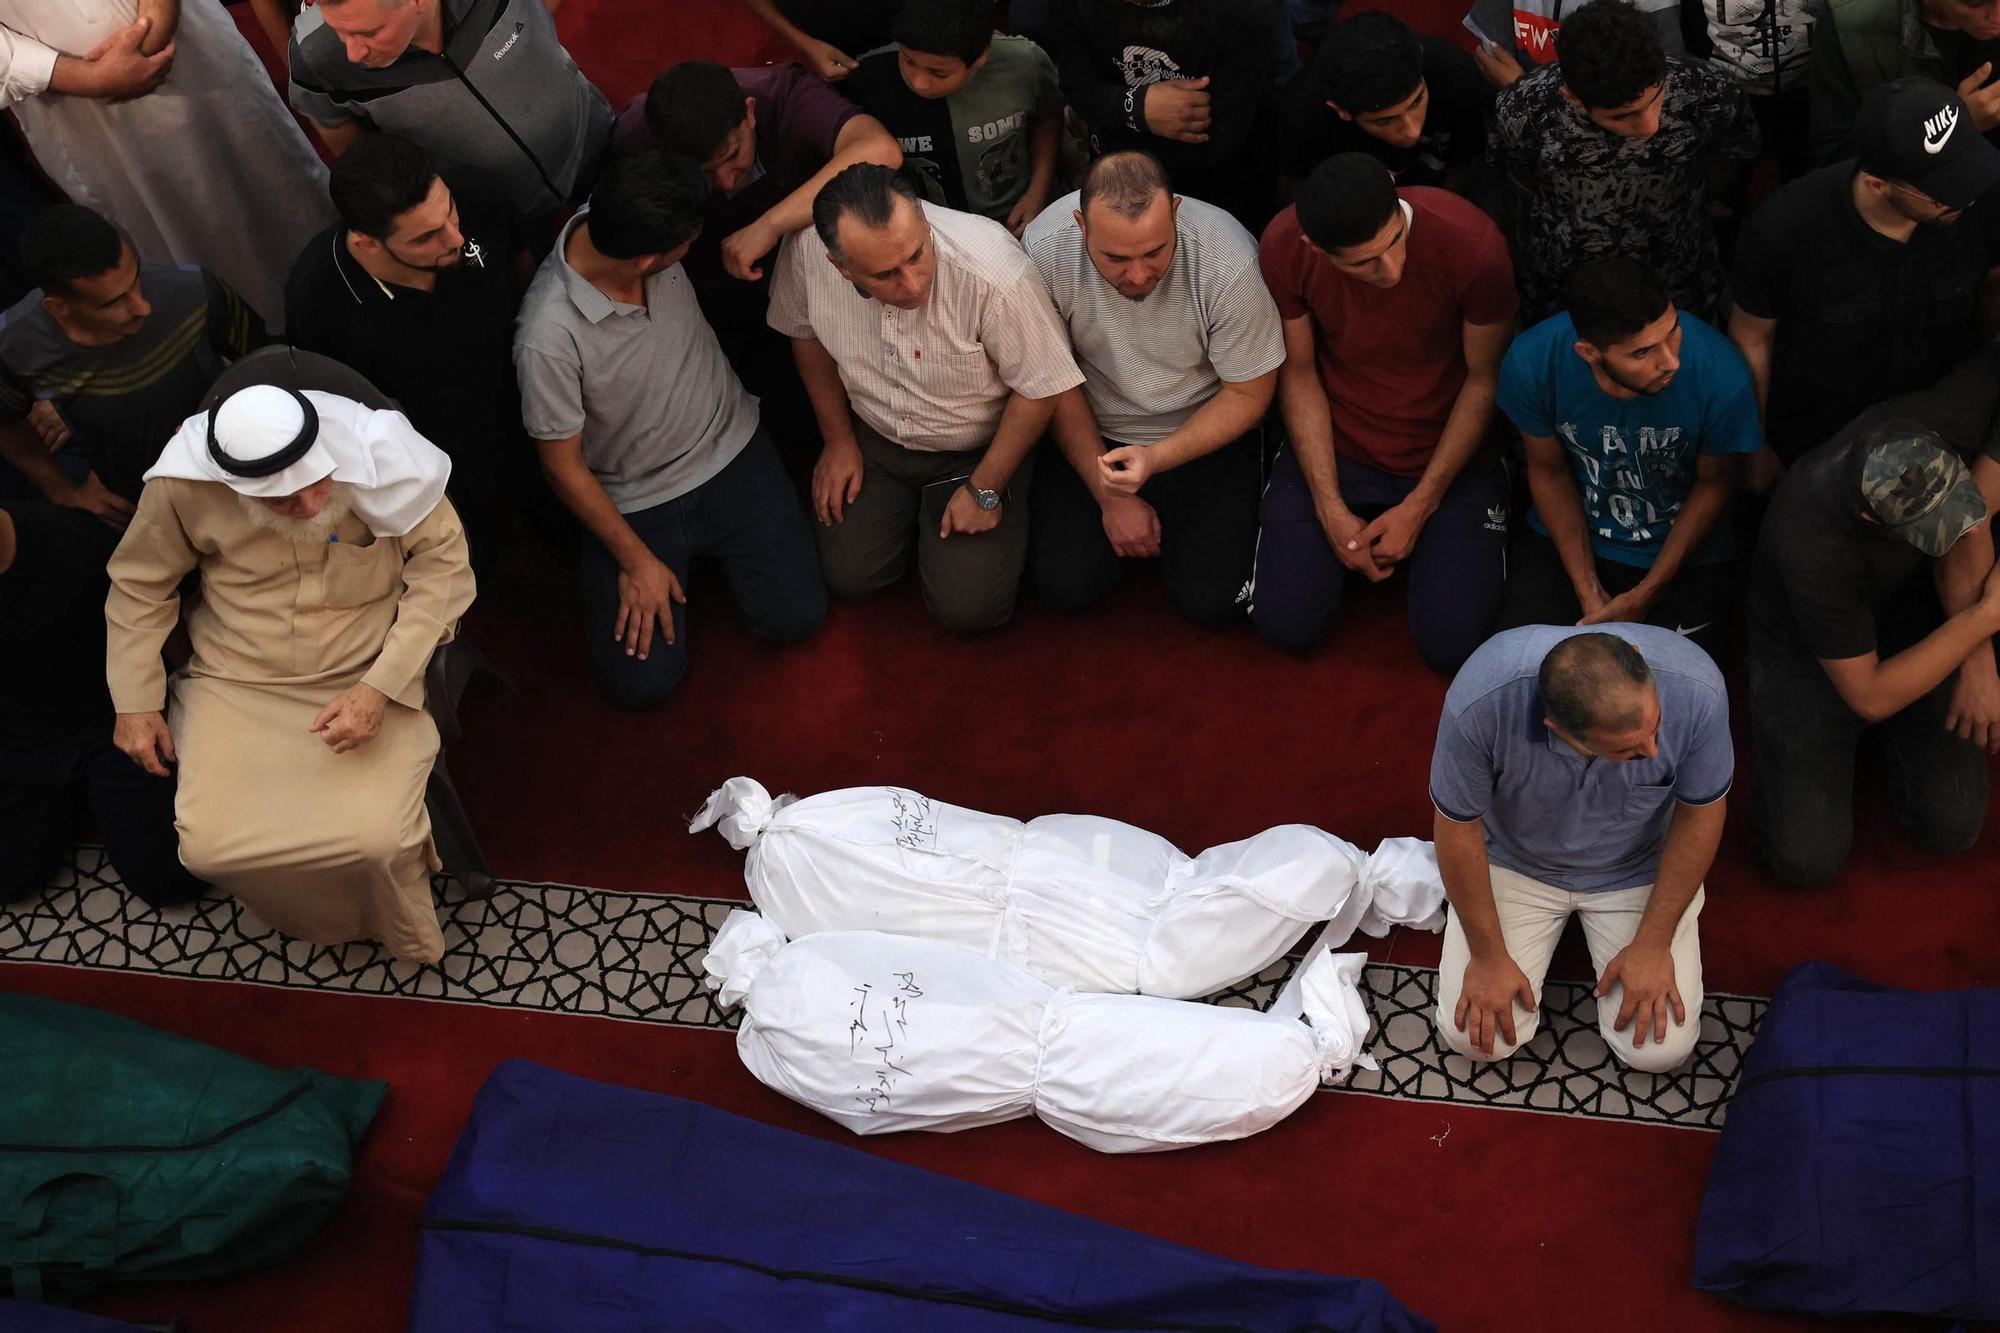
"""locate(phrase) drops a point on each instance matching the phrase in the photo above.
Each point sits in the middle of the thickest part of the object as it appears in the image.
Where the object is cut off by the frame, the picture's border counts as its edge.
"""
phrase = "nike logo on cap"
(1938, 129)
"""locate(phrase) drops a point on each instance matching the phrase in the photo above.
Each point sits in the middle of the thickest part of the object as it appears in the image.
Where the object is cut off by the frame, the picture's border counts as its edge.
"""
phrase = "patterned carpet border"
(559, 948)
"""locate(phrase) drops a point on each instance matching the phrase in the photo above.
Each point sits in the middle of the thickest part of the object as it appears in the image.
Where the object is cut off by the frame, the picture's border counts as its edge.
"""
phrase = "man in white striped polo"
(933, 361)
(1179, 342)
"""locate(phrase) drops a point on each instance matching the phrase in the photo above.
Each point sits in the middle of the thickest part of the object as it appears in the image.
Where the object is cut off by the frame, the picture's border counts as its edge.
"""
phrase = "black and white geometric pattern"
(558, 948)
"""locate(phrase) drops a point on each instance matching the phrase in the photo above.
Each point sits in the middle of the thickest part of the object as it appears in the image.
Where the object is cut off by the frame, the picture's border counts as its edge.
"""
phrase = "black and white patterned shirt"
(1588, 193)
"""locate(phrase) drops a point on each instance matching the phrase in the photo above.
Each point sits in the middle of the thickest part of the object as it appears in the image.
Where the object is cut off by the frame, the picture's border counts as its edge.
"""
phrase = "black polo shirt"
(1827, 584)
(1860, 316)
(445, 355)
(52, 688)
(1454, 126)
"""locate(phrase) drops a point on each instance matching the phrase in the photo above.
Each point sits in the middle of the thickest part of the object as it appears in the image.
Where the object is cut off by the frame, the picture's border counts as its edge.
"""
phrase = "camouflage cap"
(1919, 489)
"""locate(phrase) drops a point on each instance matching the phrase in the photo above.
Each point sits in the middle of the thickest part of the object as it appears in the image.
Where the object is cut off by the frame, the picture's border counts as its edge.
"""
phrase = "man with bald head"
(331, 567)
(1179, 343)
(1614, 746)
(933, 360)
(484, 85)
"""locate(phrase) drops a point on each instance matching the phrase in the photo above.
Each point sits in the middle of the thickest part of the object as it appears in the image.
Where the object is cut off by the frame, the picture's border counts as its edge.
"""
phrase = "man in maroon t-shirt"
(1398, 307)
(767, 139)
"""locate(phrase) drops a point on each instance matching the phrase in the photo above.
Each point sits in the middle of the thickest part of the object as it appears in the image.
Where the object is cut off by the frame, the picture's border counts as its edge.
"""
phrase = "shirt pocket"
(1644, 800)
(958, 377)
(362, 575)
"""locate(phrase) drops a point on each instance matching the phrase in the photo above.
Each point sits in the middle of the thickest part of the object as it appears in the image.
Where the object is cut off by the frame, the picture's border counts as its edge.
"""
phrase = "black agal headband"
(274, 463)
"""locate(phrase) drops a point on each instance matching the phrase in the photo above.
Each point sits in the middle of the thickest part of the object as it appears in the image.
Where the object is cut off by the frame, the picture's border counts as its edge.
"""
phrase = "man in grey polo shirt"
(646, 434)
(1180, 343)
(1579, 771)
(481, 84)
(933, 360)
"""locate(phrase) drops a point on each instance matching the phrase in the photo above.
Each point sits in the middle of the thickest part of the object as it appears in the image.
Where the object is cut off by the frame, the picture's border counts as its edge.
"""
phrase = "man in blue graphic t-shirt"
(1634, 417)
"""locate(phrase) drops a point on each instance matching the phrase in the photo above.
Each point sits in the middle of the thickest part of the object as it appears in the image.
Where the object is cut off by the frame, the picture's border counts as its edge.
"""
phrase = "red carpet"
(1481, 1219)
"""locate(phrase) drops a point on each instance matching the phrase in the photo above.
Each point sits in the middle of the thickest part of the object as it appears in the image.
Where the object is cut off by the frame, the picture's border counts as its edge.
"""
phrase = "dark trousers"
(970, 580)
(1539, 592)
(43, 791)
(1804, 739)
(1455, 569)
(748, 517)
(1208, 533)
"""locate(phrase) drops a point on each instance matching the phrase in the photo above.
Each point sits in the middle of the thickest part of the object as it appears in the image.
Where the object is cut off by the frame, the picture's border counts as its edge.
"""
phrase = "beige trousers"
(1532, 917)
(325, 847)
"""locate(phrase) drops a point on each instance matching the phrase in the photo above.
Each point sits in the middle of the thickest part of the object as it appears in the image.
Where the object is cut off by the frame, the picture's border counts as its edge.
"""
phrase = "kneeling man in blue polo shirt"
(1579, 771)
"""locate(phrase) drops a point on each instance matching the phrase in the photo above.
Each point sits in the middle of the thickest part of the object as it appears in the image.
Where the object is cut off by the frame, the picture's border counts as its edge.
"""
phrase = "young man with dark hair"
(415, 288)
(1415, 104)
(646, 434)
(484, 86)
(978, 115)
(1873, 609)
(1866, 278)
(1189, 82)
(1635, 417)
(767, 139)
(1579, 773)
(1610, 151)
(1179, 344)
(110, 355)
(1397, 307)
(934, 361)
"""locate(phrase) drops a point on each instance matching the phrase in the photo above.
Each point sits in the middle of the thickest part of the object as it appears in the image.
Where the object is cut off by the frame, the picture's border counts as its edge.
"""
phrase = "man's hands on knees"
(1343, 529)
(352, 719)
(1486, 1000)
(1975, 708)
(963, 514)
(646, 596)
(145, 740)
(1651, 993)
(836, 480)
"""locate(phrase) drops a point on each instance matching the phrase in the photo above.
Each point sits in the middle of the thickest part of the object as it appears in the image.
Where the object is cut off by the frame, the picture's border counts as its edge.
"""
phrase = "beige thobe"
(326, 847)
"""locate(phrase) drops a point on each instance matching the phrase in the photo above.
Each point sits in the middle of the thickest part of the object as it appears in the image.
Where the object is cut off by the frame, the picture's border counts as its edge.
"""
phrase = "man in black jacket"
(1188, 81)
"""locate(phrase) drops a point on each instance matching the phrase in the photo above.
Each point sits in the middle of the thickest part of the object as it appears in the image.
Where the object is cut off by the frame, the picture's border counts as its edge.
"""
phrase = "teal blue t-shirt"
(1634, 459)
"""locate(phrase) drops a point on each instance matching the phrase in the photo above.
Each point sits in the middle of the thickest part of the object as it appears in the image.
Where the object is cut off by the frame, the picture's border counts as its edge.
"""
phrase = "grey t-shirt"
(1149, 364)
(504, 99)
(659, 408)
(1566, 819)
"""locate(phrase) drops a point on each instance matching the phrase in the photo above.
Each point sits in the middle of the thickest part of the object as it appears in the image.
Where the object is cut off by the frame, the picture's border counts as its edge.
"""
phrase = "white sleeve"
(26, 66)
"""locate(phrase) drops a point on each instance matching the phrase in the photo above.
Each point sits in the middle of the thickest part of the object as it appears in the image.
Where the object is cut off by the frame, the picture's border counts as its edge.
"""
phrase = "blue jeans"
(1456, 568)
(749, 518)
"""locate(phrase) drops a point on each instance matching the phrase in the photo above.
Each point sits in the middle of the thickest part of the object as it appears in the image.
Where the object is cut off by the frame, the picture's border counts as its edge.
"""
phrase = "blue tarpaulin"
(589, 1208)
(1859, 1170)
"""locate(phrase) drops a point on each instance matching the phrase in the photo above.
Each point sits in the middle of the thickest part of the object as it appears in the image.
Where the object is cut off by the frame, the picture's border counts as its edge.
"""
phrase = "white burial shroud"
(885, 1032)
(1074, 900)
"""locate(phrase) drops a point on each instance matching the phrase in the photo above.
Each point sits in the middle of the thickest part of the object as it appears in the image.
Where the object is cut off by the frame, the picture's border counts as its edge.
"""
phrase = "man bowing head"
(331, 567)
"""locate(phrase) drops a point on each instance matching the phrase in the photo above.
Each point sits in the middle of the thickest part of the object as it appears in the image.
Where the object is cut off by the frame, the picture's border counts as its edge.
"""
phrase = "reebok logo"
(1938, 129)
(508, 45)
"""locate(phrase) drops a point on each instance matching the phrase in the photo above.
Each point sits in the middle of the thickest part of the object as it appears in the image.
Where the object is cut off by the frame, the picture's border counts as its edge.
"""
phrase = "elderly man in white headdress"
(332, 566)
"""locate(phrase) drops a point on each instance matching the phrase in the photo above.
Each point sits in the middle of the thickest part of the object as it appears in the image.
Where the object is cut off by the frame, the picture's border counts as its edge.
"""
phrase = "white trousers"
(1532, 917)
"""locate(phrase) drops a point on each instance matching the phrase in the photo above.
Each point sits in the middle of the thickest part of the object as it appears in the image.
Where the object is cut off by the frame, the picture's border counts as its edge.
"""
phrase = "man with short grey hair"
(1179, 342)
(1614, 746)
(481, 84)
(933, 360)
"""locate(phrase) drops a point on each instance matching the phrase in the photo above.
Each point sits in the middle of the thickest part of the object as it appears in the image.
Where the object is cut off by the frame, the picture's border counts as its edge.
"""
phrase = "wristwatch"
(987, 500)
